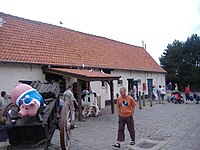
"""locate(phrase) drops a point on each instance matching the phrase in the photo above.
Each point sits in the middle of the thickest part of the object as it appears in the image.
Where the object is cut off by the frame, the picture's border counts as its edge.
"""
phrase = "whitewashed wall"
(158, 79)
(10, 74)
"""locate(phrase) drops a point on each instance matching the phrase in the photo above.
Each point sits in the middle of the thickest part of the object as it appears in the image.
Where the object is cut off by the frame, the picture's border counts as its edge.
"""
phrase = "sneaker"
(132, 143)
(117, 145)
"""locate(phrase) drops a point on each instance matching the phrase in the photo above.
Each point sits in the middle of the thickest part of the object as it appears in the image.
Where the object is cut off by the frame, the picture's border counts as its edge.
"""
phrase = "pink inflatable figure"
(27, 99)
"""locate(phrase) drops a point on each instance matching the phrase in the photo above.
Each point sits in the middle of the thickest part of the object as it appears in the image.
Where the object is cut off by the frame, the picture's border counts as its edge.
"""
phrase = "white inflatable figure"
(93, 103)
(89, 102)
(85, 103)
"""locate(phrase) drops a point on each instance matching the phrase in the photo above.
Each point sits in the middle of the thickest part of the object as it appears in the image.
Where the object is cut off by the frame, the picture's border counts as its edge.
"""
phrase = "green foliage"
(181, 60)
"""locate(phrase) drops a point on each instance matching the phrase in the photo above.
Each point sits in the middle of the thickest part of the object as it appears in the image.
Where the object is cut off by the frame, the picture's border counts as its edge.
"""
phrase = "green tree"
(192, 52)
(181, 60)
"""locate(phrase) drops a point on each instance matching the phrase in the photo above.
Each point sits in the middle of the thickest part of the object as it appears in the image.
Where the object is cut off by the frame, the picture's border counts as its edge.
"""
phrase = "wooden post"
(140, 105)
(151, 98)
(143, 99)
(79, 99)
(111, 96)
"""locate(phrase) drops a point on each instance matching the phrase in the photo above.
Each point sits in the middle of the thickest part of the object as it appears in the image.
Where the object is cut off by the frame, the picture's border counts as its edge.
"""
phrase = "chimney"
(143, 44)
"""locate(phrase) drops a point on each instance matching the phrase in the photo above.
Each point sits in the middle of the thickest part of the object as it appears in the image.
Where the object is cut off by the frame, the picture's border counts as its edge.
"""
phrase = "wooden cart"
(37, 132)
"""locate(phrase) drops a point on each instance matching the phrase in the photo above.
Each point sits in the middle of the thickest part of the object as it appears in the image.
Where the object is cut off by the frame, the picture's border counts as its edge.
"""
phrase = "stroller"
(195, 97)
(177, 98)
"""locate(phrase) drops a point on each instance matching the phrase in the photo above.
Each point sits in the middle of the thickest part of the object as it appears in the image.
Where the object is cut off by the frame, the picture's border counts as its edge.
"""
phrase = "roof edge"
(73, 66)
(73, 30)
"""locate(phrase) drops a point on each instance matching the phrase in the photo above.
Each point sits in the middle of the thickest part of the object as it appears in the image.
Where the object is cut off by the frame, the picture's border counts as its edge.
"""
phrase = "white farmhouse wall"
(104, 92)
(158, 78)
(10, 74)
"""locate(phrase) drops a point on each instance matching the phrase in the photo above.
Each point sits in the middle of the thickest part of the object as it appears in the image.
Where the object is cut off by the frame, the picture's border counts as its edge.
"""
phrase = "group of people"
(164, 92)
(125, 105)
(89, 102)
(160, 91)
(169, 92)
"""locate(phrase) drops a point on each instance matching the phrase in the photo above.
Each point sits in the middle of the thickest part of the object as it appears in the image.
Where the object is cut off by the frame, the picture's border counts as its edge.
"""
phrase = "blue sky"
(156, 22)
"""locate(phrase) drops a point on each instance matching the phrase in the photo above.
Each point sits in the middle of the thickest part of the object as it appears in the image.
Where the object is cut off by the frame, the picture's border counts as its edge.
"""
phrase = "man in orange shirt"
(126, 108)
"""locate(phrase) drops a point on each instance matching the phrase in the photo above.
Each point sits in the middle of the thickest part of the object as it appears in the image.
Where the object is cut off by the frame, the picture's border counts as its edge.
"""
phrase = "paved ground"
(163, 126)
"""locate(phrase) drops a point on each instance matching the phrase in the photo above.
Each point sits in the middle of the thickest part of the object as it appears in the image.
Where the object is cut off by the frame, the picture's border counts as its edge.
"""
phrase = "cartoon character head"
(27, 99)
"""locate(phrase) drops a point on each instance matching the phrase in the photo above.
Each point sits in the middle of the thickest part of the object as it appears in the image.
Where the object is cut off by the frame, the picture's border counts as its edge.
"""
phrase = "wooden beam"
(111, 95)
(79, 85)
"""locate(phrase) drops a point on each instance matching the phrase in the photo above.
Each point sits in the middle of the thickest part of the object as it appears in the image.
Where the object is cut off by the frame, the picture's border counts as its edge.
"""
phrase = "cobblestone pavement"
(178, 125)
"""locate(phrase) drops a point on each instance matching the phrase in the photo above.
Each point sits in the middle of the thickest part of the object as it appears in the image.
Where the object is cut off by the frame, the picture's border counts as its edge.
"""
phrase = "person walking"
(155, 94)
(68, 96)
(169, 90)
(126, 108)
(162, 93)
(187, 93)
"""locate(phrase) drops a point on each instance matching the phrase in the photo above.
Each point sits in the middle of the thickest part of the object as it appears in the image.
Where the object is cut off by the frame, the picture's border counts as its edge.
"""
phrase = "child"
(3, 131)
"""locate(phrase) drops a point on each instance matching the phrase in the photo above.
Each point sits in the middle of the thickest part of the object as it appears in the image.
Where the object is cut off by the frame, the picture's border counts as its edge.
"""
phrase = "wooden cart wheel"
(66, 125)
(7, 108)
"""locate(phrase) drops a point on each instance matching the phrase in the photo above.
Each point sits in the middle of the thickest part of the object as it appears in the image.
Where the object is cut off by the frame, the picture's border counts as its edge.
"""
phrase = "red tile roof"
(27, 41)
(82, 74)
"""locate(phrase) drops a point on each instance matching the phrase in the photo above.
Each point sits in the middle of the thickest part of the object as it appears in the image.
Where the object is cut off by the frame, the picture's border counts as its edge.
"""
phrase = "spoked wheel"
(66, 125)
(7, 108)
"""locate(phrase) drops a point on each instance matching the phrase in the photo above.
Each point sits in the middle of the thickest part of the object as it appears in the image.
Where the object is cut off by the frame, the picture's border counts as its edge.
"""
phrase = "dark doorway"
(132, 82)
(150, 86)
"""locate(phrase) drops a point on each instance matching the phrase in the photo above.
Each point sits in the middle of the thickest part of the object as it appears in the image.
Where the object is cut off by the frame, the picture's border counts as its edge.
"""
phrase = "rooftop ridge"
(73, 30)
